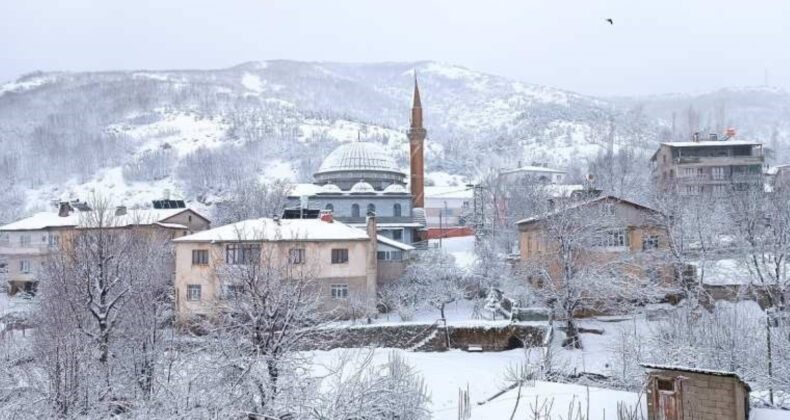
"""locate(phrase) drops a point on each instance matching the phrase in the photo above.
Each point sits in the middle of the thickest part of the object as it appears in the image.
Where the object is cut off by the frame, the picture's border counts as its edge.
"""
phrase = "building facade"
(341, 261)
(708, 166)
(26, 243)
(622, 230)
(362, 178)
(448, 211)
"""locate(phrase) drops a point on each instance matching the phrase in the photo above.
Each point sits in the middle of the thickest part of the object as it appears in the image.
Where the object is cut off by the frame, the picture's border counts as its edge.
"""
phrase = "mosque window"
(396, 211)
(329, 207)
(355, 210)
(371, 208)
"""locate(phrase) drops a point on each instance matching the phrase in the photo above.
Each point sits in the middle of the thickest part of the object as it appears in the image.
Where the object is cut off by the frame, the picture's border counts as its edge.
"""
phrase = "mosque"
(362, 178)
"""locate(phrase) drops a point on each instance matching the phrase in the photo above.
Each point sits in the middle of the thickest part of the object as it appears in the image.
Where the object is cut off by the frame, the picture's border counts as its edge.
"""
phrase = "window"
(199, 257)
(4, 239)
(296, 255)
(355, 210)
(617, 238)
(692, 172)
(193, 292)
(24, 240)
(24, 266)
(665, 384)
(339, 256)
(397, 235)
(396, 210)
(389, 255)
(649, 242)
(720, 190)
(242, 253)
(339, 291)
(718, 172)
(189, 218)
(54, 241)
(329, 207)
(691, 190)
(233, 291)
(371, 209)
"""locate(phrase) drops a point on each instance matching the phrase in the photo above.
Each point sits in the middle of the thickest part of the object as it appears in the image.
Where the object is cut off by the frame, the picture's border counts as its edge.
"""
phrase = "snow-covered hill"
(134, 135)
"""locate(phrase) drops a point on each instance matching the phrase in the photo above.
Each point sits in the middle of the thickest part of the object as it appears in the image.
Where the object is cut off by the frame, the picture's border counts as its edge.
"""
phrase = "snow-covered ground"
(461, 248)
(485, 375)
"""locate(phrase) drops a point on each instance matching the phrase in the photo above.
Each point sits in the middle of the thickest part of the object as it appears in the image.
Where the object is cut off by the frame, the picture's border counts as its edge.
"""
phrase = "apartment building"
(712, 166)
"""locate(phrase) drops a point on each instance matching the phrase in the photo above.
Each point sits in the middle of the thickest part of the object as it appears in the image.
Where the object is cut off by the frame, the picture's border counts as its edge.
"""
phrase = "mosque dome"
(395, 189)
(329, 189)
(362, 187)
(352, 162)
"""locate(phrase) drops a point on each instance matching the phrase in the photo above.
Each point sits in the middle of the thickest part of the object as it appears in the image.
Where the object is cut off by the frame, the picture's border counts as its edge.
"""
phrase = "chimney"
(166, 194)
(695, 136)
(729, 133)
(713, 137)
(120, 211)
(326, 216)
(64, 209)
(372, 266)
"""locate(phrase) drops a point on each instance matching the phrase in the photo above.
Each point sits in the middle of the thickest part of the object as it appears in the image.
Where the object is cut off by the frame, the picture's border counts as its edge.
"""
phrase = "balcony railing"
(752, 159)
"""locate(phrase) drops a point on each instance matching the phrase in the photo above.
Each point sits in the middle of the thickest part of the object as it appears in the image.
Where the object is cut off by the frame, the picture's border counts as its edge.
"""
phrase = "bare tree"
(102, 301)
(266, 313)
(574, 270)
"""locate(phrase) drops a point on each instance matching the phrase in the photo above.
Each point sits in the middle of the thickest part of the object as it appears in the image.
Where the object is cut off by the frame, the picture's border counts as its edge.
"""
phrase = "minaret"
(416, 142)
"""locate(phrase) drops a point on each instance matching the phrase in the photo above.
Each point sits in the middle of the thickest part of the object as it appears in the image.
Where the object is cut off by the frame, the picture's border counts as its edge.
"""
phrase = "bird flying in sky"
(611, 22)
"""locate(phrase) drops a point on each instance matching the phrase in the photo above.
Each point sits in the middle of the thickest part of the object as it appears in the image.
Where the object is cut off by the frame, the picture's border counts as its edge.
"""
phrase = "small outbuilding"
(682, 393)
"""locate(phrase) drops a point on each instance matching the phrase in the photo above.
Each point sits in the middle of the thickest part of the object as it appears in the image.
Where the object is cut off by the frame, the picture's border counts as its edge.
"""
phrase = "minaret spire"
(416, 144)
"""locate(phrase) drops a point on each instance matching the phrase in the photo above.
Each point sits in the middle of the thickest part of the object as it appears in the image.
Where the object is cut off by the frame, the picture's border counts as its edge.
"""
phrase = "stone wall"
(429, 337)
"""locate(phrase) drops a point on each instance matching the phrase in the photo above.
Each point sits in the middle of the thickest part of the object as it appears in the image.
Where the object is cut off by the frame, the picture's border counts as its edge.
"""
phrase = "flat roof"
(707, 143)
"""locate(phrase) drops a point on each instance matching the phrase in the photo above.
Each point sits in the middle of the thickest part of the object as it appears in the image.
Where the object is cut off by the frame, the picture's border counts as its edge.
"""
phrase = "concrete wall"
(343, 202)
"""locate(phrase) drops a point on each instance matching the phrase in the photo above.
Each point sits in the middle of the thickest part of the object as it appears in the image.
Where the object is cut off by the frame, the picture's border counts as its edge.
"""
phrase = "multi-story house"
(603, 231)
(711, 166)
(340, 260)
(26, 243)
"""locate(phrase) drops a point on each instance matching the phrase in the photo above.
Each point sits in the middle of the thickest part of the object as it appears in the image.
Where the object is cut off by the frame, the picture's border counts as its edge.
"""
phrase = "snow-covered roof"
(393, 243)
(359, 156)
(395, 189)
(298, 190)
(582, 204)
(707, 143)
(726, 272)
(692, 370)
(133, 217)
(362, 187)
(461, 192)
(42, 220)
(529, 168)
(270, 230)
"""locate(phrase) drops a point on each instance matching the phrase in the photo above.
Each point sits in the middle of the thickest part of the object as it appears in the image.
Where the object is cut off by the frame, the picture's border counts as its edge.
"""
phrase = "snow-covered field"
(485, 375)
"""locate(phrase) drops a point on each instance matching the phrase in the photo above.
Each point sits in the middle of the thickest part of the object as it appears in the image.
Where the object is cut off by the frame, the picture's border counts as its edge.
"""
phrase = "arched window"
(396, 210)
(371, 208)
(329, 207)
(355, 210)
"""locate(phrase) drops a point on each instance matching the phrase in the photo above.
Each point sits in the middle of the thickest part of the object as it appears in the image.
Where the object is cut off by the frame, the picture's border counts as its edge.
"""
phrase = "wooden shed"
(682, 393)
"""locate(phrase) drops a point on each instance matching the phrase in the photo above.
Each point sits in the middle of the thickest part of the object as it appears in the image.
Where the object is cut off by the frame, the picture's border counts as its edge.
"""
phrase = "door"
(667, 400)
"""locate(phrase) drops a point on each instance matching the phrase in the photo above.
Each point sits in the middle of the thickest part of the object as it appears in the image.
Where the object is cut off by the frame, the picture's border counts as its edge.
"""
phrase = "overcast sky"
(654, 46)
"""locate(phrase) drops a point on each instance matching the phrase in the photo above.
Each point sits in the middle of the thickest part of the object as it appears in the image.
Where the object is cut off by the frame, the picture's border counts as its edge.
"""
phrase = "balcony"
(719, 160)
(25, 250)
